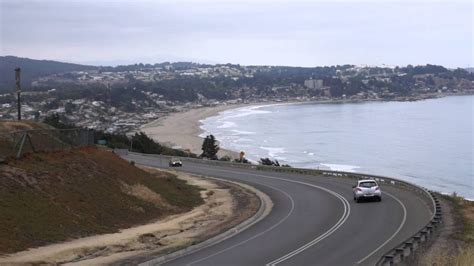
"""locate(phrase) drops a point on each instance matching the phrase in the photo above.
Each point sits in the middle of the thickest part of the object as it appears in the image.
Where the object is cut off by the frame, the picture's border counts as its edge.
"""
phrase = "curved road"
(314, 221)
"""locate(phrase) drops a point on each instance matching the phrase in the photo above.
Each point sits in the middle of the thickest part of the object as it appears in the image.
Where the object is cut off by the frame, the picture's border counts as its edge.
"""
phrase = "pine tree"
(210, 147)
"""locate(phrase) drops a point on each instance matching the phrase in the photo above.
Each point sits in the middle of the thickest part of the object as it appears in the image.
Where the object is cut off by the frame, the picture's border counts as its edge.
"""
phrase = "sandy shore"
(182, 129)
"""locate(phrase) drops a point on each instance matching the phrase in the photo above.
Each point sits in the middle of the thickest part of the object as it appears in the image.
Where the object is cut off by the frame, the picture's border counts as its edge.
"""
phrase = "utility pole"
(18, 90)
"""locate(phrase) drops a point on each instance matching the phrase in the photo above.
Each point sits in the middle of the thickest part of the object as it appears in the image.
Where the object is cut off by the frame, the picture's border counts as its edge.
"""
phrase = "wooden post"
(18, 90)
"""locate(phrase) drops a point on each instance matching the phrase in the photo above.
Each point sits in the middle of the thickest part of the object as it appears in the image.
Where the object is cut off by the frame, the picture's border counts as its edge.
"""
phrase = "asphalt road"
(314, 221)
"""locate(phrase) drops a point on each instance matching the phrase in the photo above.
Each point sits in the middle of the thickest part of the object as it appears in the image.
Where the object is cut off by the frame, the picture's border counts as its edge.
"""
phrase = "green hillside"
(52, 197)
(31, 69)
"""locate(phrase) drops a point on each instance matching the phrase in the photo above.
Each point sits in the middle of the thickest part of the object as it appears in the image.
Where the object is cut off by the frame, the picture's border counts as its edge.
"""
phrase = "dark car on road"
(175, 163)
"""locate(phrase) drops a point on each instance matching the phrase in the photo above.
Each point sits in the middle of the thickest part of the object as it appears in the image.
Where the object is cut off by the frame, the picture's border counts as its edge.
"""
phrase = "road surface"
(314, 221)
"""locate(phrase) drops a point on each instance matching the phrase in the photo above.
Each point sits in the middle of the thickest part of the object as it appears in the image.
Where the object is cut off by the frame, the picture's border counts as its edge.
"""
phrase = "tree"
(225, 158)
(268, 161)
(55, 121)
(210, 147)
(144, 144)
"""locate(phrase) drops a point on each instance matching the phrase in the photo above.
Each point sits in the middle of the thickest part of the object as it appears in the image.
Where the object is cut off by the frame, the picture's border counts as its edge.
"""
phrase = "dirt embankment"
(137, 244)
(455, 243)
(52, 197)
(88, 206)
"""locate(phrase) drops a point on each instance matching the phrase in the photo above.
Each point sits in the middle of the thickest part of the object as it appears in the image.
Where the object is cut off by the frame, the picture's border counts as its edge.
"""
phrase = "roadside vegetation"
(270, 162)
(465, 210)
(7, 126)
(210, 148)
(142, 143)
(463, 236)
(139, 142)
(52, 197)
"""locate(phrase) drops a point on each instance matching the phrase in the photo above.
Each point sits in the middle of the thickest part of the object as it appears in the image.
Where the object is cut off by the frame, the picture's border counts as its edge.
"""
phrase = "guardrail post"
(389, 259)
(401, 252)
(430, 229)
(417, 240)
(424, 235)
(410, 246)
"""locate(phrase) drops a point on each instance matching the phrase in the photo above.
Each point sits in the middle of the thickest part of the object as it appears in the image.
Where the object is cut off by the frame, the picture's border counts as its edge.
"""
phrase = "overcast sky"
(295, 33)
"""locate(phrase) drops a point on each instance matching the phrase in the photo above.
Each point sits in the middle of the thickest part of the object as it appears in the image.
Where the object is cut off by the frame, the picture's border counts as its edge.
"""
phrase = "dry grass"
(7, 126)
(465, 210)
(142, 192)
(52, 197)
(463, 257)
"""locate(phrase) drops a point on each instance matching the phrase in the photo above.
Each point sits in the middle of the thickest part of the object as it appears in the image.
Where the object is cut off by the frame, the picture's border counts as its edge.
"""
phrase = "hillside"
(52, 197)
(7, 126)
(31, 69)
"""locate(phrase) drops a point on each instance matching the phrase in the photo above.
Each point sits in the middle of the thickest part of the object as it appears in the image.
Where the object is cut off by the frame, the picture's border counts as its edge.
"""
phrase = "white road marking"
(259, 234)
(394, 234)
(255, 236)
(330, 231)
(340, 222)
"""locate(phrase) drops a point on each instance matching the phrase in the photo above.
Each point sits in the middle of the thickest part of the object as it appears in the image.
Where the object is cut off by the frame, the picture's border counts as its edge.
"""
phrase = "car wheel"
(357, 200)
(379, 199)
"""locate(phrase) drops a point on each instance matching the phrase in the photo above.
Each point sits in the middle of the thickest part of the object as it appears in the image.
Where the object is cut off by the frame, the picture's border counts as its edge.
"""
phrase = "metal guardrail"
(395, 256)
(16, 144)
(407, 248)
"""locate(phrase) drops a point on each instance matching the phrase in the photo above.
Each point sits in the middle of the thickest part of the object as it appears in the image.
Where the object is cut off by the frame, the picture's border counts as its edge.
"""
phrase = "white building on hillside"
(316, 84)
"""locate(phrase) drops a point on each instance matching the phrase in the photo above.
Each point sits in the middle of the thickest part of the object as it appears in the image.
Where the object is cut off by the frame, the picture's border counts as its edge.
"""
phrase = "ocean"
(427, 142)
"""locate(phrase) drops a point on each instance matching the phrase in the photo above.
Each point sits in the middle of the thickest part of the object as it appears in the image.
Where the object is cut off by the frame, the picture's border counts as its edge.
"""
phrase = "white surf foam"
(227, 124)
(274, 152)
(341, 167)
(243, 132)
(243, 112)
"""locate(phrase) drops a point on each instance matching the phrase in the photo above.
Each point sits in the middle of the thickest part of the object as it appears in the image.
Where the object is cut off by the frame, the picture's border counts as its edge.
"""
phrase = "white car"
(367, 189)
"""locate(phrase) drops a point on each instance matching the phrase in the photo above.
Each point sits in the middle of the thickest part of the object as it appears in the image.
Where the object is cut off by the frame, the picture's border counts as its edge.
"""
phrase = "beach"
(182, 129)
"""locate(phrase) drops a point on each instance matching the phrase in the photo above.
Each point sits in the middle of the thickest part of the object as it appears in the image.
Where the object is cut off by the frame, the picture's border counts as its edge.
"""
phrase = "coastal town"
(124, 98)
(236, 132)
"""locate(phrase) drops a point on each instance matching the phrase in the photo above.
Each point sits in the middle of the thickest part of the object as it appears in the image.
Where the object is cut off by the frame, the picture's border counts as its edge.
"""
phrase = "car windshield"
(368, 184)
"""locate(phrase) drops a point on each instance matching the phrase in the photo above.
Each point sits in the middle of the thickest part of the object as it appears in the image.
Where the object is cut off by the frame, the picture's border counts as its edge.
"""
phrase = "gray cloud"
(283, 33)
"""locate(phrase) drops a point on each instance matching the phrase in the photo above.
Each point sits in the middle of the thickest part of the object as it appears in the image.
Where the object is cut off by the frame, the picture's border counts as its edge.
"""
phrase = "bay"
(427, 142)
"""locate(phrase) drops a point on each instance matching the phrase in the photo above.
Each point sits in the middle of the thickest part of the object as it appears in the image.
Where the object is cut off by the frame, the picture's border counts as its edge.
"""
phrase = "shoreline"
(182, 129)
(191, 123)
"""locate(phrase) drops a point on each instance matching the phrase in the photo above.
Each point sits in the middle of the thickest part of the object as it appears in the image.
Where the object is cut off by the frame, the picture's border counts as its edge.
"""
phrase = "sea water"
(427, 142)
